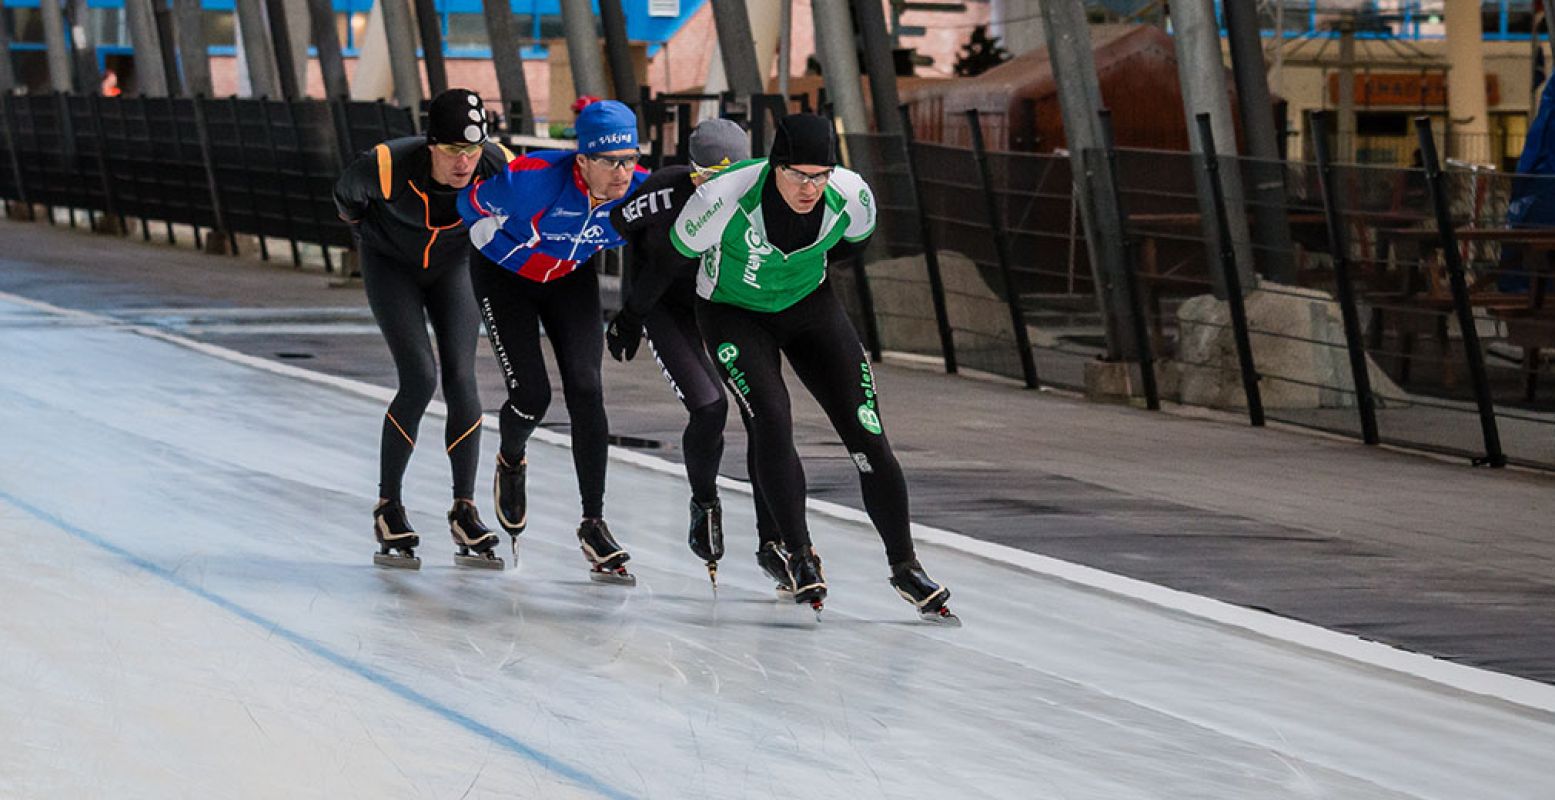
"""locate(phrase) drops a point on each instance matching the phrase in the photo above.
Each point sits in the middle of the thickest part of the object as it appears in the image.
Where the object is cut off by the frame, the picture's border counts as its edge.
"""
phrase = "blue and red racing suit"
(535, 219)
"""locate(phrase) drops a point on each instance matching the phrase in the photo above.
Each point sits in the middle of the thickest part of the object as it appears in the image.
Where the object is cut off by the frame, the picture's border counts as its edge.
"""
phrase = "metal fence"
(220, 167)
(1368, 311)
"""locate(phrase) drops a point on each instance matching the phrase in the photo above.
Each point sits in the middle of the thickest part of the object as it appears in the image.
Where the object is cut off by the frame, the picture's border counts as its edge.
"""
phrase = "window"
(220, 29)
(466, 32)
(26, 25)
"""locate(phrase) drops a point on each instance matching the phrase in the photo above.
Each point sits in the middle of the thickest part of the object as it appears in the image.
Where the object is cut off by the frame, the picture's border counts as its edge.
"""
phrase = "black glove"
(624, 335)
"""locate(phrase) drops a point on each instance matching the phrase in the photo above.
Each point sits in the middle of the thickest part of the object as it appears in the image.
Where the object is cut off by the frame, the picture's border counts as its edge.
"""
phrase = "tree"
(980, 54)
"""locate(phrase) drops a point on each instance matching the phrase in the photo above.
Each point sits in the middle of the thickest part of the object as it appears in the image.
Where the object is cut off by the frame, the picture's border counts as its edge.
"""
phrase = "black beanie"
(456, 117)
(804, 139)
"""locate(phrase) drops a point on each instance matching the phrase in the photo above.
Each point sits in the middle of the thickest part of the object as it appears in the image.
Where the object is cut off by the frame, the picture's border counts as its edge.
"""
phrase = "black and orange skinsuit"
(415, 265)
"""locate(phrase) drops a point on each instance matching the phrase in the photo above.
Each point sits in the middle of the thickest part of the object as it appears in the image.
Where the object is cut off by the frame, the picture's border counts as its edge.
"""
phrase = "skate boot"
(774, 561)
(707, 536)
(915, 586)
(474, 540)
(804, 570)
(397, 542)
(512, 505)
(606, 556)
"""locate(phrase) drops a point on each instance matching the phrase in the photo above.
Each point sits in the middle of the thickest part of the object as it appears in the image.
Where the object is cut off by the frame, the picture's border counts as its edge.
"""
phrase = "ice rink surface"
(190, 610)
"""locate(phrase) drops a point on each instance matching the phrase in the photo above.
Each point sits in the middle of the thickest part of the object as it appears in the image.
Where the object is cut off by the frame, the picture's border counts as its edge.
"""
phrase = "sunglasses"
(807, 178)
(457, 150)
(617, 162)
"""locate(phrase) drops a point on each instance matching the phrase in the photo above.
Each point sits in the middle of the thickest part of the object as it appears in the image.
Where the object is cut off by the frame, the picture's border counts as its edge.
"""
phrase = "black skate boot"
(604, 553)
(474, 540)
(774, 561)
(707, 536)
(397, 542)
(804, 570)
(511, 502)
(915, 586)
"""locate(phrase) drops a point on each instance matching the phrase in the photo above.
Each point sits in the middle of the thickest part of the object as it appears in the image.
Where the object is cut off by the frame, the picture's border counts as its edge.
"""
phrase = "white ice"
(188, 609)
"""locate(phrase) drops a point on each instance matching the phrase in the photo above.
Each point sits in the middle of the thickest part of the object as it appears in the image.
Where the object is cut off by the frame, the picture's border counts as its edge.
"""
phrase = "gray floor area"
(1424, 554)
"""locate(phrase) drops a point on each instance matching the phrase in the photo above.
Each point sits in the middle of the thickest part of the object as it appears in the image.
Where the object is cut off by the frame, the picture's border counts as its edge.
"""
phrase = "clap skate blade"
(943, 616)
(396, 559)
(483, 560)
(617, 577)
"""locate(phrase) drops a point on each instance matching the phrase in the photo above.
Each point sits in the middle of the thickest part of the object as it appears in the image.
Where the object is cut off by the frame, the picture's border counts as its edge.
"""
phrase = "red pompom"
(583, 102)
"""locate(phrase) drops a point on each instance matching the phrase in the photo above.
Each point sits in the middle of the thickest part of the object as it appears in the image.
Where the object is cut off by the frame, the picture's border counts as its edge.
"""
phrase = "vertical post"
(1136, 301)
(623, 78)
(150, 79)
(326, 41)
(281, 40)
(880, 64)
(588, 74)
(1271, 228)
(141, 201)
(1494, 457)
(83, 48)
(504, 38)
(193, 55)
(203, 128)
(257, 50)
(12, 145)
(785, 46)
(1365, 401)
(947, 339)
(110, 199)
(737, 46)
(281, 179)
(7, 71)
(1028, 364)
(839, 59)
(167, 39)
(1079, 88)
(431, 27)
(186, 191)
(58, 46)
(401, 39)
(866, 300)
(1232, 276)
(248, 175)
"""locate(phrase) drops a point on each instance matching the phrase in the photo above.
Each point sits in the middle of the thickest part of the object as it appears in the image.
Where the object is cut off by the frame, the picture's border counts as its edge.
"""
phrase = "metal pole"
(110, 199)
(839, 62)
(12, 143)
(785, 46)
(59, 49)
(738, 47)
(1494, 457)
(260, 56)
(1232, 276)
(83, 47)
(193, 54)
(401, 39)
(881, 65)
(221, 230)
(618, 52)
(431, 27)
(1339, 246)
(1202, 73)
(588, 72)
(1028, 364)
(327, 43)
(947, 339)
(1136, 301)
(7, 71)
(167, 38)
(150, 79)
(1271, 228)
(281, 40)
(1079, 89)
(505, 40)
